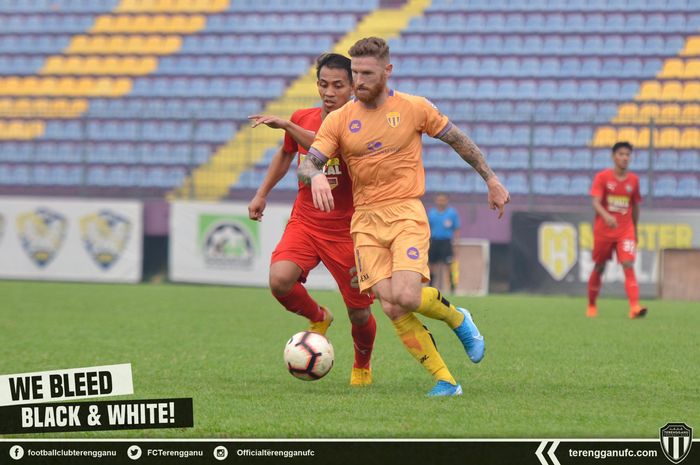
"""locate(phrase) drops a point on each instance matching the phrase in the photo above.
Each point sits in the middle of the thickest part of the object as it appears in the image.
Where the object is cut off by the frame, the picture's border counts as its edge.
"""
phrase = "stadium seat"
(666, 160)
(690, 138)
(665, 186)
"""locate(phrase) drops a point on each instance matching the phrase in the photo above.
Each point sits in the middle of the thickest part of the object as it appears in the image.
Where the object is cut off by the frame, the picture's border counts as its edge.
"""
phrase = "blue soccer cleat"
(470, 336)
(445, 389)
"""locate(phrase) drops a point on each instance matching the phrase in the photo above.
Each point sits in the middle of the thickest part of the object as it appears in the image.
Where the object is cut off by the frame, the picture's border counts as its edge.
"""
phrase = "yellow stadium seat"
(692, 47)
(670, 114)
(691, 114)
(104, 23)
(651, 90)
(692, 69)
(197, 22)
(605, 136)
(23, 130)
(690, 138)
(668, 138)
(691, 91)
(161, 23)
(52, 65)
(79, 44)
(648, 112)
(626, 113)
(673, 68)
(629, 134)
(672, 90)
(104, 44)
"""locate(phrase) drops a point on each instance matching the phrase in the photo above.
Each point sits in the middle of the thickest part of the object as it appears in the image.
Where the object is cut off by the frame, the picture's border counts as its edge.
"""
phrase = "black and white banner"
(96, 416)
(340, 452)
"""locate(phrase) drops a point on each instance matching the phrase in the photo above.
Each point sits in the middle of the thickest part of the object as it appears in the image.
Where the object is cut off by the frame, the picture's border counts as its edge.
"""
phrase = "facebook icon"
(16, 452)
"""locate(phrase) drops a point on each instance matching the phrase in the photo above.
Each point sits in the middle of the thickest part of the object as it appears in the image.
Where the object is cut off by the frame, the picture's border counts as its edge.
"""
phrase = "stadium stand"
(117, 94)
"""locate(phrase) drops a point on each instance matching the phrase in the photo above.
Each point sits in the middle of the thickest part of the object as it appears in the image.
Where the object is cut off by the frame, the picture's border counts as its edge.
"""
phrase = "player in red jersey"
(311, 235)
(616, 200)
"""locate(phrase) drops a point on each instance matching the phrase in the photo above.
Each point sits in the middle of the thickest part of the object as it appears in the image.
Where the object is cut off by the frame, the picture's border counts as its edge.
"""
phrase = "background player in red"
(616, 200)
(311, 235)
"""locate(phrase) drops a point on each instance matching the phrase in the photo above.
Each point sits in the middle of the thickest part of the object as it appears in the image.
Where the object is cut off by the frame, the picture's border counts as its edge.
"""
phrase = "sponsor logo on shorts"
(355, 125)
(412, 253)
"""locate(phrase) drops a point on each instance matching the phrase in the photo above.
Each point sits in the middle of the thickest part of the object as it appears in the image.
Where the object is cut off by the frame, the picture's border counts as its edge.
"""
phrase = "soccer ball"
(308, 355)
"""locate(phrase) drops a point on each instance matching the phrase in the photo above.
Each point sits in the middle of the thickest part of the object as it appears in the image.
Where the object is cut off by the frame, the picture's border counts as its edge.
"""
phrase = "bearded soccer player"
(616, 199)
(312, 236)
(378, 134)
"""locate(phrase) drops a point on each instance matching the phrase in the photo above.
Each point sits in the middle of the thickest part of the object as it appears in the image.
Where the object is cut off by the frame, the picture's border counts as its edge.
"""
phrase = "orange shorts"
(390, 236)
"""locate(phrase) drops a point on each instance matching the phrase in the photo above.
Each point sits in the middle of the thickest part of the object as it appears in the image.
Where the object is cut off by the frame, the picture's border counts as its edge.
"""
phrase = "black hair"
(622, 145)
(333, 61)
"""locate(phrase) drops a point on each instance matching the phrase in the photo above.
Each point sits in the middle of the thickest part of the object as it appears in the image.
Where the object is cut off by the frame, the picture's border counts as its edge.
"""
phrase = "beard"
(372, 92)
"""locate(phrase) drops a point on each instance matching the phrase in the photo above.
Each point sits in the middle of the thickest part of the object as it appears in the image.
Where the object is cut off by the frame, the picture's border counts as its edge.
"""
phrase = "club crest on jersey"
(628, 188)
(393, 118)
(41, 233)
(355, 125)
(611, 186)
(105, 235)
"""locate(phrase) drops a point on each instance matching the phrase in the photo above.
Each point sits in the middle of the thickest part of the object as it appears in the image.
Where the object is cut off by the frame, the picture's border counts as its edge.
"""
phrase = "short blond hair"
(370, 47)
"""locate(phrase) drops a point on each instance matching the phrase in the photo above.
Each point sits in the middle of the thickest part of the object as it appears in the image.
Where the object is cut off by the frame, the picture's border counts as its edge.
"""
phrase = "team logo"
(393, 118)
(105, 235)
(41, 233)
(611, 186)
(355, 125)
(412, 253)
(676, 440)
(227, 242)
(557, 248)
(372, 146)
(628, 188)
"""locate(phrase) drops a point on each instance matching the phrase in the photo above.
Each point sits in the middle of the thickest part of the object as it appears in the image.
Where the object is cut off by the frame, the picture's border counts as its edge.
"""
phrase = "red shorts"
(300, 246)
(625, 248)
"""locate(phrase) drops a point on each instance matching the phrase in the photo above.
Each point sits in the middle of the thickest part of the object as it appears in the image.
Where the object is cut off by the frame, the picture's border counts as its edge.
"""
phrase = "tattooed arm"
(309, 168)
(498, 195)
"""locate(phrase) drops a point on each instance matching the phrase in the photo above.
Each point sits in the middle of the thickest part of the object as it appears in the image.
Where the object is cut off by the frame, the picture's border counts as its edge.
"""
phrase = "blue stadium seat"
(666, 160)
(688, 187)
(517, 183)
(665, 186)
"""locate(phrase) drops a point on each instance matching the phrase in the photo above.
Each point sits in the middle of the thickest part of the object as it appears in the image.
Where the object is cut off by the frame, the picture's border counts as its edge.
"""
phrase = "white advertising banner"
(70, 239)
(217, 243)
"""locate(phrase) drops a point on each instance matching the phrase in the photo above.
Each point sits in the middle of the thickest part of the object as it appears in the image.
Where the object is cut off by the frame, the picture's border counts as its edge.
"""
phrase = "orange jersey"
(381, 147)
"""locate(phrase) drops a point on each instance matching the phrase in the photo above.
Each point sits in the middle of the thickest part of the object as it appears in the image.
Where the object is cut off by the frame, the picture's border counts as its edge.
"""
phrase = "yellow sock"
(420, 344)
(435, 306)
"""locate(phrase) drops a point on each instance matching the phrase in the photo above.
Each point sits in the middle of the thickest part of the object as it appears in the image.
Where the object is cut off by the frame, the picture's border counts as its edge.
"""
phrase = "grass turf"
(548, 371)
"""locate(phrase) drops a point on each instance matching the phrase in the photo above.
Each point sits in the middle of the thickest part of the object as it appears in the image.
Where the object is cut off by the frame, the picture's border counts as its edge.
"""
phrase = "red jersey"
(617, 197)
(329, 225)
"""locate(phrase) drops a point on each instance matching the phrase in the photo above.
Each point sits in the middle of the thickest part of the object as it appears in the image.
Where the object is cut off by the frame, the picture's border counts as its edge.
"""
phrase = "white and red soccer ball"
(308, 355)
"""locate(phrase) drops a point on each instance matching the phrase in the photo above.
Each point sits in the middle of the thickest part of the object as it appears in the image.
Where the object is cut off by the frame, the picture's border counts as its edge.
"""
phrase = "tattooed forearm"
(309, 167)
(468, 150)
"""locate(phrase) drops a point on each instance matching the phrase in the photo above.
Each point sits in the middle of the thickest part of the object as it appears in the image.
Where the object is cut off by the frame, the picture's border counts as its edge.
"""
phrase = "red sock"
(631, 287)
(363, 336)
(298, 301)
(593, 287)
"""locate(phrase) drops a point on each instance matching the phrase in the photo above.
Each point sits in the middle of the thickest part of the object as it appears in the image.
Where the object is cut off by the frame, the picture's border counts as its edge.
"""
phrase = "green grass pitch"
(548, 371)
